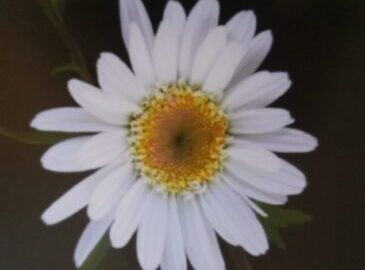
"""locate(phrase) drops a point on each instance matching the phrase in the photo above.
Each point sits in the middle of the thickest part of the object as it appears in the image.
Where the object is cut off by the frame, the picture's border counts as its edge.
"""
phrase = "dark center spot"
(182, 144)
(180, 140)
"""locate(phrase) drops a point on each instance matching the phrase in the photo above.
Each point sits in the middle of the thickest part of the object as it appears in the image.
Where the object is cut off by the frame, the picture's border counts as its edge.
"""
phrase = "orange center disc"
(178, 139)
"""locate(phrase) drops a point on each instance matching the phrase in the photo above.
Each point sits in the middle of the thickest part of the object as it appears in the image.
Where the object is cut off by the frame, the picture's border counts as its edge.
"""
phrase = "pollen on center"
(178, 139)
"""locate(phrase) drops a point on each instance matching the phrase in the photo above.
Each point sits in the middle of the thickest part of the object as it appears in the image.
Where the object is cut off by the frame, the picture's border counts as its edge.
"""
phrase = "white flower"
(182, 144)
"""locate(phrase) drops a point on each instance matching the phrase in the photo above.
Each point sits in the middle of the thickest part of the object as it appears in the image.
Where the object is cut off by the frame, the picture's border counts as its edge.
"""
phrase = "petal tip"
(78, 261)
(314, 142)
(73, 86)
(47, 219)
(34, 123)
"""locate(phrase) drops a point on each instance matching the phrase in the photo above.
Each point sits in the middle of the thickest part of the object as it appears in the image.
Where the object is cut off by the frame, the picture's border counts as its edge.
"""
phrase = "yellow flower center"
(178, 139)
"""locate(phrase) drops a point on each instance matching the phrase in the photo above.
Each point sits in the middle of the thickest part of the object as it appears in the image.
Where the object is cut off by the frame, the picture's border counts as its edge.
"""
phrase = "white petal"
(151, 234)
(69, 120)
(200, 240)
(140, 57)
(166, 51)
(133, 11)
(270, 97)
(167, 43)
(244, 189)
(239, 219)
(202, 18)
(253, 156)
(217, 216)
(242, 27)
(250, 92)
(174, 255)
(103, 149)
(175, 13)
(91, 236)
(260, 121)
(208, 53)
(257, 51)
(255, 207)
(128, 215)
(75, 199)
(281, 182)
(291, 175)
(111, 110)
(224, 69)
(116, 79)
(62, 156)
(110, 191)
(286, 140)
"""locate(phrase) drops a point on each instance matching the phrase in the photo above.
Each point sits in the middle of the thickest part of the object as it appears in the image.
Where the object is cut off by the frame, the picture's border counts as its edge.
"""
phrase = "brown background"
(321, 44)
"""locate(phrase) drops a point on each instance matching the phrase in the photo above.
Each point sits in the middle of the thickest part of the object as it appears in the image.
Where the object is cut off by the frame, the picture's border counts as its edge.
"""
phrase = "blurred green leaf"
(236, 258)
(32, 136)
(58, 5)
(273, 235)
(97, 255)
(283, 217)
(70, 67)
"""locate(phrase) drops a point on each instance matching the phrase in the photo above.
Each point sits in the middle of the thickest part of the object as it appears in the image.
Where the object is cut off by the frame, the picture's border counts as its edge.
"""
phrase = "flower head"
(182, 141)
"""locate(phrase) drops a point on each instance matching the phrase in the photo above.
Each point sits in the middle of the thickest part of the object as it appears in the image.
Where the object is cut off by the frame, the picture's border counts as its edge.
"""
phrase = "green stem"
(33, 136)
(75, 53)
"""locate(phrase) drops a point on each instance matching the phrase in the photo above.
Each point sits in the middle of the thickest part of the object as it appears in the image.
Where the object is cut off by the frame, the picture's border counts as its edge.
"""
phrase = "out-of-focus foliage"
(58, 5)
(279, 218)
(97, 256)
(33, 137)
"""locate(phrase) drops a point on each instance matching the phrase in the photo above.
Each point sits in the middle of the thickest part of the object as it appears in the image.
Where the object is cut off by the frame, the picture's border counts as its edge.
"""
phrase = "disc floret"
(178, 139)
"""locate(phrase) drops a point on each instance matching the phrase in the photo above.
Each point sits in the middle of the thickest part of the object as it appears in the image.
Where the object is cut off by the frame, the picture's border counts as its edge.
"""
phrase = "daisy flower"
(182, 142)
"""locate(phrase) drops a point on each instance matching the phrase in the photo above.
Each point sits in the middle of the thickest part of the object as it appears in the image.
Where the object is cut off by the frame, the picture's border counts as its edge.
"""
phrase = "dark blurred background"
(321, 44)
